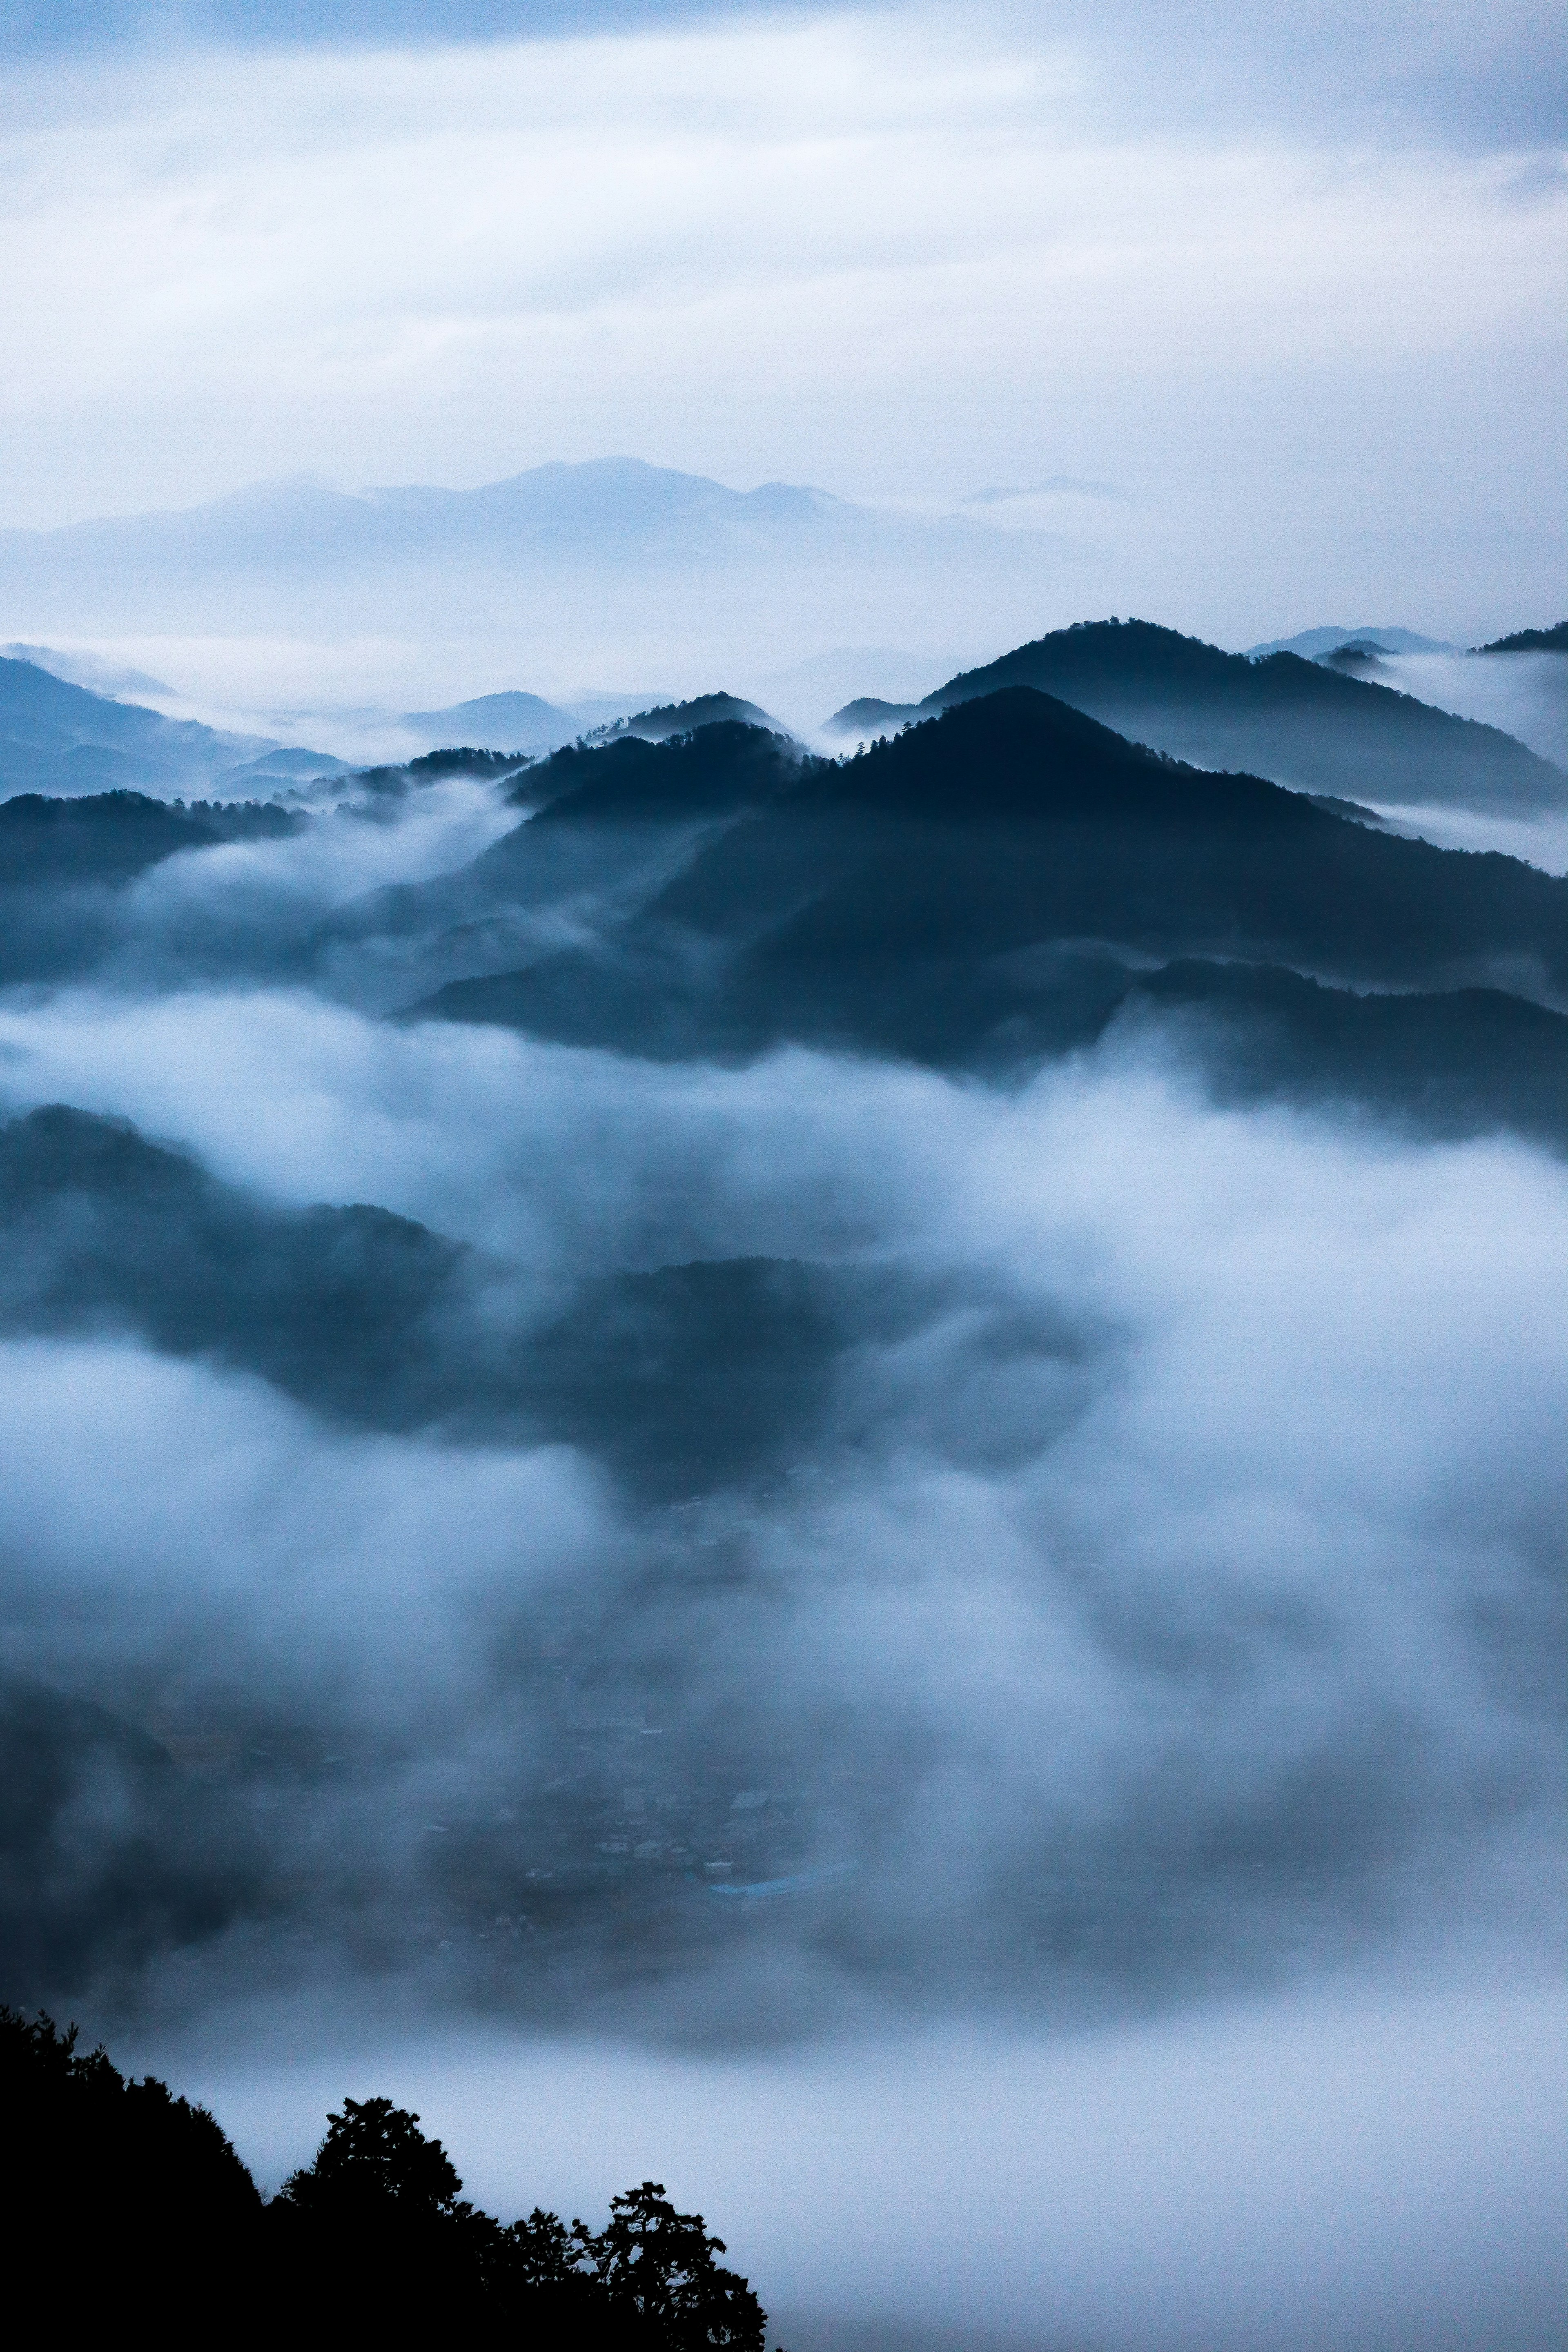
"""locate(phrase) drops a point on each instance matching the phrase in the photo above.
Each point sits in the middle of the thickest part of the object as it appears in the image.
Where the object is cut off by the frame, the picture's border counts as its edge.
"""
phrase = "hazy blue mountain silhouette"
(1312, 644)
(1295, 721)
(62, 738)
(521, 722)
(606, 517)
(997, 883)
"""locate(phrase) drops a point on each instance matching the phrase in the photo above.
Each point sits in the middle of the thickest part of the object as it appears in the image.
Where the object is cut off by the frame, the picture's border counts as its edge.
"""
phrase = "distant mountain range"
(300, 555)
(1279, 715)
(1313, 644)
(56, 738)
(1003, 882)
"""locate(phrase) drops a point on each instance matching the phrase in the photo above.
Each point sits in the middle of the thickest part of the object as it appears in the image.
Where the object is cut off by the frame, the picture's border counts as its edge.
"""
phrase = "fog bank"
(1378, 2167)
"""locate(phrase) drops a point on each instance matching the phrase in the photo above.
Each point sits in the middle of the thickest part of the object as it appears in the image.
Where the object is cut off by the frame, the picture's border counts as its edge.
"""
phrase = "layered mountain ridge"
(1314, 728)
(1004, 882)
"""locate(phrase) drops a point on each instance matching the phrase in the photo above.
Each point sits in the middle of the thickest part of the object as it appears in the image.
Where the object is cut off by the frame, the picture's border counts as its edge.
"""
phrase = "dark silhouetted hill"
(675, 718)
(988, 885)
(123, 2198)
(1553, 640)
(720, 766)
(1290, 720)
(112, 837)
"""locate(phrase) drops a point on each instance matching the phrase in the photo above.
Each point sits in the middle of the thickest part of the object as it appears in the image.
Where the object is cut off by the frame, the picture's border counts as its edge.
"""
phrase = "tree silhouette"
(372, 2236)
(657, 2272)
(374, 2158)
(141, 2181)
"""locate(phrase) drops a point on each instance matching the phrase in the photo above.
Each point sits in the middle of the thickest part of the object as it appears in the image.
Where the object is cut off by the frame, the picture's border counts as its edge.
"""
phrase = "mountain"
(1553, 640)
(611, 562)
(113, 836)
(62, 738)
(1004, 880)
(801, 693)
(514, 721)
(62, 862)
(1313, 644)
(87, 669)
(1295, 721)
(561, 510)
(673, 719)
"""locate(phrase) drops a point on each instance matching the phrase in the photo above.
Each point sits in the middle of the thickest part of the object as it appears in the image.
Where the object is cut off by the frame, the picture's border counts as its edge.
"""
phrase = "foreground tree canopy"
(129, 2197)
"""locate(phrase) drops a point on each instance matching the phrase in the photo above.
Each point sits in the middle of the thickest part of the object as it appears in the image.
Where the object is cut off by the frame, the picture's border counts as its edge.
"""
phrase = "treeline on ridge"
(130, 2199)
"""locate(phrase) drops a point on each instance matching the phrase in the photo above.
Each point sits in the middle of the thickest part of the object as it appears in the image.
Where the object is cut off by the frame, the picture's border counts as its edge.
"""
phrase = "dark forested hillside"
(676, 1378)
(997, 883)
(63, 861)
(1296, 722)
(1553, 640)
(673, 718)
(110, 836)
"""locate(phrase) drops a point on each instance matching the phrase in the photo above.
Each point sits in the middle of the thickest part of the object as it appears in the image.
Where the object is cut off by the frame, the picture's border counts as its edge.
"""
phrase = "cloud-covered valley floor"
(1082, 1544)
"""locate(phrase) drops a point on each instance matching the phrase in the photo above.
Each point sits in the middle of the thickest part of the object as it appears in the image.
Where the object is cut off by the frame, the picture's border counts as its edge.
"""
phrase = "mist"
(1524, 694)
(1125, 1642)
(701, 1602)
(1374, 2168)
(1168, 1647)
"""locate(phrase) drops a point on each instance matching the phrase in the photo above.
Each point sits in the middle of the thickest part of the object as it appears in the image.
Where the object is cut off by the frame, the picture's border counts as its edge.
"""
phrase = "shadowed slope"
(1302, 724)
(990, 886)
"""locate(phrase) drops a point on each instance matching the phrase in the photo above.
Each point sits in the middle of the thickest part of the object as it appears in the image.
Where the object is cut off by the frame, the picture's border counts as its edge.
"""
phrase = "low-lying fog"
(1524, 694)
(1144, 1613)
(1366, 2167)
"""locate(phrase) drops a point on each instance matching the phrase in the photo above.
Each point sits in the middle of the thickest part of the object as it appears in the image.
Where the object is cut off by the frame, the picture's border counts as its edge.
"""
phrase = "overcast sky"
(1290, 285)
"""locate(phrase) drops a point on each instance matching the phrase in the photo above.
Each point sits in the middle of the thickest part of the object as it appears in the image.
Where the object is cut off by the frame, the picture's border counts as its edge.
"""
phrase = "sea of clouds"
(1184, 1564)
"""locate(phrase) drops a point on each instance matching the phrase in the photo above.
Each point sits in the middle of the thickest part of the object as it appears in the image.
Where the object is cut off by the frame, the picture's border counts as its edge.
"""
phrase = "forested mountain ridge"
(1296, 722)
(1553, 640)
(999, 882)
(677, 1376)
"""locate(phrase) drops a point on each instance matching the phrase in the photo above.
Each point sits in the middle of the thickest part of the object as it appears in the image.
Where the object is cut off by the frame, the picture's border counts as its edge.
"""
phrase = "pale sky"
(1295, 290)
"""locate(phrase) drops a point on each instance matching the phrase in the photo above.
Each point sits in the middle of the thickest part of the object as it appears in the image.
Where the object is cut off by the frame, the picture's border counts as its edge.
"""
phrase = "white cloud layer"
(1375, 2170)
